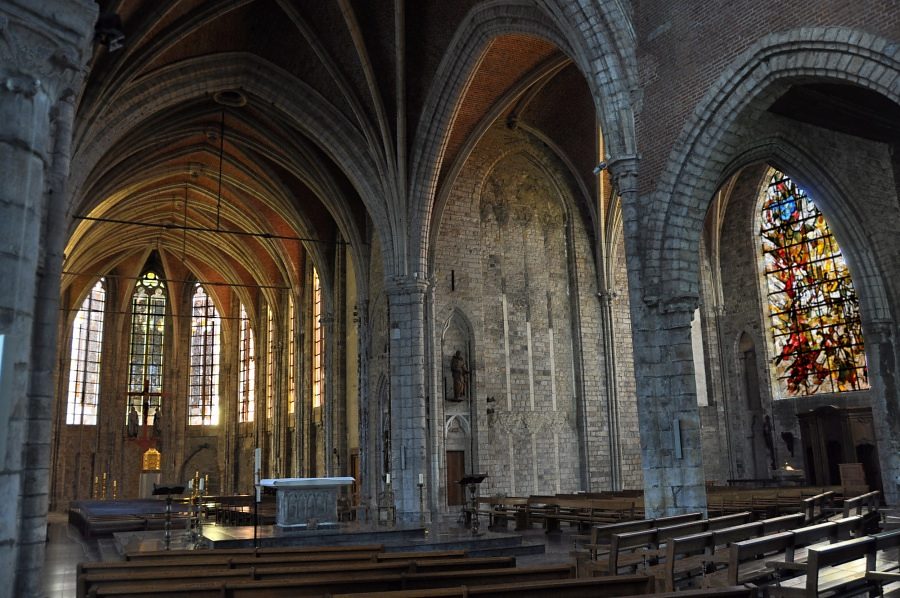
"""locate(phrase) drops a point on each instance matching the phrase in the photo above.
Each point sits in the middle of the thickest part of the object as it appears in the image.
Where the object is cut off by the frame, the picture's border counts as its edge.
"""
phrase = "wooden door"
(456, 469)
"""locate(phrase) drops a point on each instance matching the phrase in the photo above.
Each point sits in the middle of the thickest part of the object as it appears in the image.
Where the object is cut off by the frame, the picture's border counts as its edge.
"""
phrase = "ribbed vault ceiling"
(244, 193)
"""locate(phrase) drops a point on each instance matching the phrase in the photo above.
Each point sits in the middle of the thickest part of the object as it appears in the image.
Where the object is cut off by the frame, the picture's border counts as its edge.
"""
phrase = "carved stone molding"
(45, 45)
(624, 172)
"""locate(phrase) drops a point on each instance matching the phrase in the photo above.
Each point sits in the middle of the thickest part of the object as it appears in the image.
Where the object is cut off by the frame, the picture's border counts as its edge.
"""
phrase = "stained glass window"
(148, 328)
(318, 369)
(813, 307)
(84, 365)
(247, 371)
(203, 391)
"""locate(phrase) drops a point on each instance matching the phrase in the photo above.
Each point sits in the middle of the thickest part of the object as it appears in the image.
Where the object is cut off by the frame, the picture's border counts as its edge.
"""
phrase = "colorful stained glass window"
(813, 307)
(203, 391)
(84, 365)
(247, 371)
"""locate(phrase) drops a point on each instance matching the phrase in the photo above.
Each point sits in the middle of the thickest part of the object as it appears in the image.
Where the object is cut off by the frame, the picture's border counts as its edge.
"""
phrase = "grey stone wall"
(515, 260)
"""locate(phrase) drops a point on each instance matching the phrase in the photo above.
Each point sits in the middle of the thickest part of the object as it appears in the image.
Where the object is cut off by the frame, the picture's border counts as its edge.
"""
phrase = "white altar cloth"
(306, 503)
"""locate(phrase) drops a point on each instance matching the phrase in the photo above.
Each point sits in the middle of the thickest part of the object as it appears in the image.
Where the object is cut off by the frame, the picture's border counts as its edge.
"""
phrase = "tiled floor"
(65, 549)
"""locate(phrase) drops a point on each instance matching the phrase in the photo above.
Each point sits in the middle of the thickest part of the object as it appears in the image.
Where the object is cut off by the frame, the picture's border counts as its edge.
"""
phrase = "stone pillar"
(43, 49)
(881, 343)
(406, 297)
(330, 396)
(674, 481)
(608, 348)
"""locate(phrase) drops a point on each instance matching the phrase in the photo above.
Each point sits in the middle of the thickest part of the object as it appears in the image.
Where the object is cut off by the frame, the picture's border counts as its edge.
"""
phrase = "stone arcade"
(273, 224)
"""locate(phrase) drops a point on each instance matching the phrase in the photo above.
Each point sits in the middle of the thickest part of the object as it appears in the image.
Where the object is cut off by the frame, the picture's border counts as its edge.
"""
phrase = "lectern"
(168, 491)
(471, 481)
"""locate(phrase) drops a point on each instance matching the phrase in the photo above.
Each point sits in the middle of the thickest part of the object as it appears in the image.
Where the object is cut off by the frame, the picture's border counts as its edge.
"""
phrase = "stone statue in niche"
(460, 372)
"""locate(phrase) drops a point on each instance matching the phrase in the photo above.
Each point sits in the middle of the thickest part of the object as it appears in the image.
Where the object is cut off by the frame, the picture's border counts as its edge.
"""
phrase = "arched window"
(270, 363)
(148, 328)
(318, 349)
(246, 371)
(813, 307)
(84, 364)
(203, 394)
(292, 350)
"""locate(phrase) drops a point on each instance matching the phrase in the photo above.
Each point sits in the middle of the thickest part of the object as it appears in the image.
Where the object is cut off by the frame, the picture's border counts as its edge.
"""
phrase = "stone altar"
(306, 503)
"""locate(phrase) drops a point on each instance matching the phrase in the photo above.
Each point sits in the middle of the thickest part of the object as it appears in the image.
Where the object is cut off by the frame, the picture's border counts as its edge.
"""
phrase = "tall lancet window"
(292, 351)
(318, 349)
(148, 330)
(84, 364)
(813, 307)
(246, 371)
(270, 363)
(203, 393)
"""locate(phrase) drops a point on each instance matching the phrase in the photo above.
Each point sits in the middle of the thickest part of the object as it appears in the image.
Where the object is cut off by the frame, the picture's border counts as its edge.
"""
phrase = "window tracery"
(84, 364)
(813, 308)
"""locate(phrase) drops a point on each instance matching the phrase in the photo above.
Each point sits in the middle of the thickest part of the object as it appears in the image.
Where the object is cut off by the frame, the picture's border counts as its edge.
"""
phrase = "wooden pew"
(211, 560)
(817, 507)
(634, 550)
(501, 509)
(257, 552)
(96, 581)
(601, 534)
(862, 504)
(618, 585)
(842, 567)
(317, 585)
(730, 592)
(587, 512)
(782, 553)
(795, 556)
(707, 552)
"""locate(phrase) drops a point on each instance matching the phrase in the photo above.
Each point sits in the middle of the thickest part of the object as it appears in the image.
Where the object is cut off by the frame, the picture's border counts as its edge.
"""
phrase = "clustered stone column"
(674, 481)
(408, 409)
(43, 49)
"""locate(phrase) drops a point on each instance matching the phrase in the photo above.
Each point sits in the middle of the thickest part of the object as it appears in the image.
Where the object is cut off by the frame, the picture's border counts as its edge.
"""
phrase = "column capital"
(623, 170)
(45, 45)
(406, 285)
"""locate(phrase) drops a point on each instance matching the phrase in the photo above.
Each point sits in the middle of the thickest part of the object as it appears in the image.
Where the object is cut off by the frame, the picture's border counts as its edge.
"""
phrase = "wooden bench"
(256, 552)
(619, 585)
(210, 560)
(842, 567)
(587, 512)
(501, 509)
(708, 552)
(817, 507)
(635, 550)
(863, 504)
(96, 581)
(830, 532)
(601, 534)
(317, 585)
